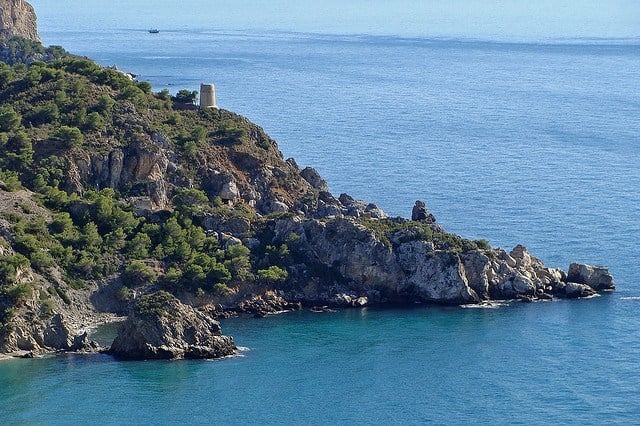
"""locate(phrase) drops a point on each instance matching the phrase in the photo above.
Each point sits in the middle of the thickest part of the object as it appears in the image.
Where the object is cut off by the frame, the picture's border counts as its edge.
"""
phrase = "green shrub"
(273, 274)
(10, 265)
(104, 104)
(90, 238)
(10, 180)
(163, 95)
(232, 134)
(174, 119)
(9, 119)
(221, 289)
(19, 151)
(145, 86)
(236, 251)
(124, 294)
(154, 303)
(44, 114)
(41, 260)
(71, 136)
(138, 273)
(185, 97)
(139, 245)
(190, 201)
(61, 223)
(93, 121)
(6, 74)
(19, 292)
(483, 244)
(26, 244)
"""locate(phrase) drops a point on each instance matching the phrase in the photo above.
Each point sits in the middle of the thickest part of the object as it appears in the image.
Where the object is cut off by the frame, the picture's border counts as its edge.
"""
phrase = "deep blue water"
(519, 124)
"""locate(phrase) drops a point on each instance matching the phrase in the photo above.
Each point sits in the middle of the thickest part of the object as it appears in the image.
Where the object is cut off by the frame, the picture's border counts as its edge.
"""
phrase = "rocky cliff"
(409, 261)
(160, 327)
(115, 199)
(18, 19)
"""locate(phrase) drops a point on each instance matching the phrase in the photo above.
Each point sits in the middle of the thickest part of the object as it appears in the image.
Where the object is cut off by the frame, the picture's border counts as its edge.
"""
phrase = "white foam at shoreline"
(485, 305)
(592, 296)
(238, 354)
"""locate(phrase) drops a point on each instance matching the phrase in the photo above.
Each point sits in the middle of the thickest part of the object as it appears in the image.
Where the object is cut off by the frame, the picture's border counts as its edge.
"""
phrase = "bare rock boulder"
(596, 277)
(421, 214)
(314, 179)
(161, 327)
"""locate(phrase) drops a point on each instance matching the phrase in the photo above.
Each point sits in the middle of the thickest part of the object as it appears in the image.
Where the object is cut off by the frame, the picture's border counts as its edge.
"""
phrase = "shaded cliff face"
(18, 19)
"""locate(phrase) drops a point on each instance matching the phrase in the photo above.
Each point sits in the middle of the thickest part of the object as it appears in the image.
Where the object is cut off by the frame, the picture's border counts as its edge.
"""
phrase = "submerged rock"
(161, 327)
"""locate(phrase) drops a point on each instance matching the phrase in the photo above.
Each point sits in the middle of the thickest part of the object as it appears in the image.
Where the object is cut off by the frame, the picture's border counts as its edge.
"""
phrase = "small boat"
(154, 31)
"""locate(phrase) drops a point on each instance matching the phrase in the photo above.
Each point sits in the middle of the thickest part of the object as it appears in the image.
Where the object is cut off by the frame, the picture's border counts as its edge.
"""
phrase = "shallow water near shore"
(514, 138)
(530, 363)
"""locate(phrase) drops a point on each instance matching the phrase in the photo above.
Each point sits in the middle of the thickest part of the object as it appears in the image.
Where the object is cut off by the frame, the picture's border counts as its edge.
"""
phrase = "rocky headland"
(118, 201)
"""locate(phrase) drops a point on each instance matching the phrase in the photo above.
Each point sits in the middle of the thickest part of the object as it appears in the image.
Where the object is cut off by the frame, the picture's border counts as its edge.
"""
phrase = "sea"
(515, 121)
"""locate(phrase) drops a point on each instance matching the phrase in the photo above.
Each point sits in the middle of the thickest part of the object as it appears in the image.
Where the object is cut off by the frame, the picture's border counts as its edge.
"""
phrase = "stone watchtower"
(208, 96)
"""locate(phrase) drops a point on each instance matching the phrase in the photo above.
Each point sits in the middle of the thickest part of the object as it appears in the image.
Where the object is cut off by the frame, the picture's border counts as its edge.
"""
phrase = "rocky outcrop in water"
(268, 303)
(596, 277)
(18, 19)
(161, 327)
(413, 266)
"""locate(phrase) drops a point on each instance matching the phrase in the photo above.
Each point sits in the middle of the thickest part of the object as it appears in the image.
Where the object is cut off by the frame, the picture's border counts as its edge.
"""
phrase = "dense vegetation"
(55, 109)
(21, 50)
(55, 114)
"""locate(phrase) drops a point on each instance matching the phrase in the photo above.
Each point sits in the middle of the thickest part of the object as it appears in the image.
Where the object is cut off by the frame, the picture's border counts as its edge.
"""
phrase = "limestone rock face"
(476, 267)
(354, 252)
(355, 261)
(440, 277)
(596, 277)
(54, 334)
(138, 163)
(17, 18)
(161, 327)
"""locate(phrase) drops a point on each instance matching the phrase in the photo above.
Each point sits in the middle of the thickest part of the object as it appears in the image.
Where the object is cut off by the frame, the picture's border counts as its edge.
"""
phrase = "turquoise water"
(516, 123)
(558, 362)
